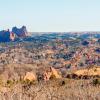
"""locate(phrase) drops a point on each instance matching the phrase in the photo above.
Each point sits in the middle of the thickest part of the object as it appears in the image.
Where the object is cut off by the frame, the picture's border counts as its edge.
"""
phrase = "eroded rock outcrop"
(30, 76)
(51, 73)
(85, 73)
(7, 35)
(20, 32)
(90, 72)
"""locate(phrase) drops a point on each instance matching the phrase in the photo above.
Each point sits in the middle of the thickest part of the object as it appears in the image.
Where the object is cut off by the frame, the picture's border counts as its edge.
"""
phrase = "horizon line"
(61, 31)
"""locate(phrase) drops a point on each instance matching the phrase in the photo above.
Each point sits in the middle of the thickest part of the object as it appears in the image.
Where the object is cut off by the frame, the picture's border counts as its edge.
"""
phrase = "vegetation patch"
(96, 81)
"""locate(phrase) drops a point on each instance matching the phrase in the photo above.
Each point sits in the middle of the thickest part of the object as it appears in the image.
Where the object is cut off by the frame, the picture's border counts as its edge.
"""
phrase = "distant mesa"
(7, 35)
(20, 32)
(4, 36)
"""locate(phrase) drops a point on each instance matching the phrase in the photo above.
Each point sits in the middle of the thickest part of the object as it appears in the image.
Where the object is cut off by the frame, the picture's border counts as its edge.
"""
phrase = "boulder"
(52, 73)
(55, 73)
(95, 71)
(30, 76)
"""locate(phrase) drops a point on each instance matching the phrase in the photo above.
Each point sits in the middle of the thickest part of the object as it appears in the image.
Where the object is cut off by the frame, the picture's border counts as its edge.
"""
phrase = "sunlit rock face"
(30, 76)
(20, 32)
(12, 36)
(5, 36)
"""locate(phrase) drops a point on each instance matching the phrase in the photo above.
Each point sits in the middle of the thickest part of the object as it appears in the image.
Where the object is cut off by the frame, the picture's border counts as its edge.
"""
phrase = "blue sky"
(51, 15)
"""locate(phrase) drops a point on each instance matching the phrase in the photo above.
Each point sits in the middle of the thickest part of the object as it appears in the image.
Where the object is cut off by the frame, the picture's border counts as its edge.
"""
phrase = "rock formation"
(20, 32)
(89, 72)
(30, 76)
(12, 36)
(5, 36)
(52, 73)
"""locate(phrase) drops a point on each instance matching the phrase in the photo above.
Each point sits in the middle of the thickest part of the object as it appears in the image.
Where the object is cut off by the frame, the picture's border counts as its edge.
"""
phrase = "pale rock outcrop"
(30, 76)
(55, 73)
(89, 72)
(51, 73)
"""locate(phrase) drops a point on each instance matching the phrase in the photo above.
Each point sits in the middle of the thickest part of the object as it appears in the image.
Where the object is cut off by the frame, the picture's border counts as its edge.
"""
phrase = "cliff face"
(4, 36)
(20, 32)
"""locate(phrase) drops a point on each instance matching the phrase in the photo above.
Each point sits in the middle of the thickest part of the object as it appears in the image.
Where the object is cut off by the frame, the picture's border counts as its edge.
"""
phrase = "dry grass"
(55, 89)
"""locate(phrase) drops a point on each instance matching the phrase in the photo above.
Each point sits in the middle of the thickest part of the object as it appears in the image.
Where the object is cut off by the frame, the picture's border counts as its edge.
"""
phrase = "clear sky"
(51, 15)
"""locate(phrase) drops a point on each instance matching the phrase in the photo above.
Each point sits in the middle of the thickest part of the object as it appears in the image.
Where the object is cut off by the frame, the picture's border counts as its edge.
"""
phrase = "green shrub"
(28, 82)
(62, 83)
(9, 83)
(96, 81)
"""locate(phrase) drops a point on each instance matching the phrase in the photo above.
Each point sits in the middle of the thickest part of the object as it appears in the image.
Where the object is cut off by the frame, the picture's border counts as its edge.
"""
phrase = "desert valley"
(49, 66)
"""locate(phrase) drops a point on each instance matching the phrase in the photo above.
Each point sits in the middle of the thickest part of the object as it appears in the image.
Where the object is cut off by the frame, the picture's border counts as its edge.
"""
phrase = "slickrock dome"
(90, 72)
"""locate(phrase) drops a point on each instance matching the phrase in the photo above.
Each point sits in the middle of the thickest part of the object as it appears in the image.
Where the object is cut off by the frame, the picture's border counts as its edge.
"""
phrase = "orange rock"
(30, 76)
(12, 36)
(51, 73)
(55, 73)
(47, 76)
(90, 72)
